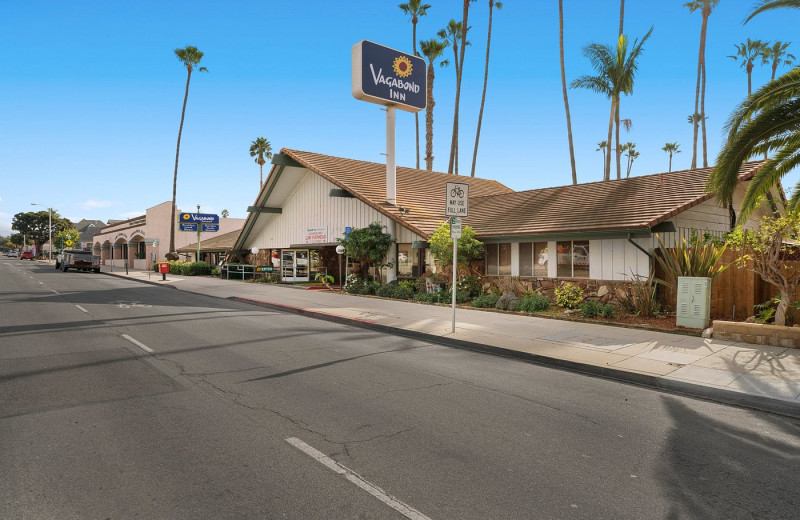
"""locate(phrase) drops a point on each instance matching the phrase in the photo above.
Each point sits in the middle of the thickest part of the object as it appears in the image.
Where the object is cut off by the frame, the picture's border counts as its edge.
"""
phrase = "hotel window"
(573, 259)
(407, 261)
(498, 259)
(533, 259)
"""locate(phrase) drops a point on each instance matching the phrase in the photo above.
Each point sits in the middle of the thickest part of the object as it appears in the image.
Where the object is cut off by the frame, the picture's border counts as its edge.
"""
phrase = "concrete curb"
(127, 277)
(674, 386)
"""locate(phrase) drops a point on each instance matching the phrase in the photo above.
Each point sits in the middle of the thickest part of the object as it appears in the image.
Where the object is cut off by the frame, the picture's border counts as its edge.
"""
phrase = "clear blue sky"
(92, 92)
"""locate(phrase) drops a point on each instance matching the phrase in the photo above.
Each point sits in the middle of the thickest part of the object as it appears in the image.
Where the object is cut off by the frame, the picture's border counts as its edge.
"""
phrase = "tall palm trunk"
(483, 96)
(617, 149)
(607, 175)
(453, 166)
(429, 104)
(260, 175)
(564, 89)
(616, 114)
(698, 99)
(416, 114)
(175, 176)
(454, 139)
(703, 115)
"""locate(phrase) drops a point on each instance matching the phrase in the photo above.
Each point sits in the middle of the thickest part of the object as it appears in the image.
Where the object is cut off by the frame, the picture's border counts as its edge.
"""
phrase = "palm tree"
(631, 154)
(767, 121)
(766, 5)
(616, 113)
(671, 148)
(433, 50)
(564, 89)
(224, 213)
(778, 56)
(492, 4)
(601, 146)
(747, 53)
(261, 150)
(705, 6)
(453, 163)
(616, 70)
(415, 9)
(190, 57)
(452, 34)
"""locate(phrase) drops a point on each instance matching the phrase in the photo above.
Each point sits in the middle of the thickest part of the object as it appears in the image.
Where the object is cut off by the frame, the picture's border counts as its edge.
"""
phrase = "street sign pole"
(456, 206)
(453, 290)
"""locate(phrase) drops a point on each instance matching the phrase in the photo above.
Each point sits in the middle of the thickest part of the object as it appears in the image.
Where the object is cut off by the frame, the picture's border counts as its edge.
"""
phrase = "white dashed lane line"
(138, 343)
(81, 308)
(400, 507)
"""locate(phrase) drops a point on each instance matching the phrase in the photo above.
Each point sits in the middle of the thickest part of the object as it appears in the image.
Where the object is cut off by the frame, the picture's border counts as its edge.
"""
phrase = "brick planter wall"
(757, 333)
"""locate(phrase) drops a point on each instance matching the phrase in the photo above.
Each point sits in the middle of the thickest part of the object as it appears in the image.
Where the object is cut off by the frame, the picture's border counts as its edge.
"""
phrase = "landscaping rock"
(708, 333)
(507, 302)
(751, 319)
(602, 291)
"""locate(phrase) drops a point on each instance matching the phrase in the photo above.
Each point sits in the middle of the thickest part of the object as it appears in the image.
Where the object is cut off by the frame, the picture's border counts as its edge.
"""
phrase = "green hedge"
(187, 268)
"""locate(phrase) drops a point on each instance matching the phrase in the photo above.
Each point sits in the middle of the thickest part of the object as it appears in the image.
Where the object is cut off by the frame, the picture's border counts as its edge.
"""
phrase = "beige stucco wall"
(154, 229)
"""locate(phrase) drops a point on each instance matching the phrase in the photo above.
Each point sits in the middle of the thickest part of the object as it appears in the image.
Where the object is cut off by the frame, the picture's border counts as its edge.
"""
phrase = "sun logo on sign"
(402, 67)
(186, 216)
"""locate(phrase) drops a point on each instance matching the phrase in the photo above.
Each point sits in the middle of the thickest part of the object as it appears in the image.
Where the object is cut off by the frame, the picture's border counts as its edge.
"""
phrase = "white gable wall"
(311, 206)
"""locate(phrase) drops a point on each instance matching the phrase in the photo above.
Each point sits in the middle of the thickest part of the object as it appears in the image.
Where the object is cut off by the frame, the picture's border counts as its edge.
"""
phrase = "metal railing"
(239, 269)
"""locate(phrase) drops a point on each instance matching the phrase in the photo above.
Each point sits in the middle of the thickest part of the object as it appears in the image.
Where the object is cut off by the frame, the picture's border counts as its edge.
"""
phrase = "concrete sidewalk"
(755, 376)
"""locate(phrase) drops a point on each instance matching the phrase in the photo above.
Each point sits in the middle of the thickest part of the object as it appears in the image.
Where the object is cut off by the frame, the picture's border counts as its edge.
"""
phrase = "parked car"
(26, 255)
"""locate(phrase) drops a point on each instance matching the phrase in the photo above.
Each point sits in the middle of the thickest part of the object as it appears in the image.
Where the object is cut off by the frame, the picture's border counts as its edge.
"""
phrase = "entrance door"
(294, 265)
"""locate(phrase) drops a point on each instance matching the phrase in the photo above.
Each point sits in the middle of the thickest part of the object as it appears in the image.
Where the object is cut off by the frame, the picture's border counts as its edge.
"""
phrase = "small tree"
(768, 246)
(60, 239)
(441, 246)
(369, 246)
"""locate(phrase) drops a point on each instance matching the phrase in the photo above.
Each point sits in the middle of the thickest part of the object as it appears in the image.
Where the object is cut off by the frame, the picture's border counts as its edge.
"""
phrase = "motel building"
(142, 241)
(595, 231)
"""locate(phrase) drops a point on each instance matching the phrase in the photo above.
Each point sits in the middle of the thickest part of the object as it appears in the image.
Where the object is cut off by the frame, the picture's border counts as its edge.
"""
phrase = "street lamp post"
(49, 229)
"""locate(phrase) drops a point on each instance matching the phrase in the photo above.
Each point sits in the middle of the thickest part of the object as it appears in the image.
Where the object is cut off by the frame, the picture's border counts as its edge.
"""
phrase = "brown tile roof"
(223, 242)
(421, 192)
(636, 203)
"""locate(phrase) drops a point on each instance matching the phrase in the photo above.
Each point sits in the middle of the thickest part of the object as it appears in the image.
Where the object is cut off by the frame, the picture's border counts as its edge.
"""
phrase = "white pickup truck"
(79, 260)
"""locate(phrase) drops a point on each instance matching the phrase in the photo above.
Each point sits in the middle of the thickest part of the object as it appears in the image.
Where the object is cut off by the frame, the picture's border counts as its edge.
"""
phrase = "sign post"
(456, 206)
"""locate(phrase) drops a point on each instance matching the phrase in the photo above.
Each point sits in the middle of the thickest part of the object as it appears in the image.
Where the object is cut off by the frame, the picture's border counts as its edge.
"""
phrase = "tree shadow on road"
(713, 469)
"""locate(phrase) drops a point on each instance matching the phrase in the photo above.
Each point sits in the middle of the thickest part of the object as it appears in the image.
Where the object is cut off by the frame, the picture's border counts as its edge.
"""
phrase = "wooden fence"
(735, 291)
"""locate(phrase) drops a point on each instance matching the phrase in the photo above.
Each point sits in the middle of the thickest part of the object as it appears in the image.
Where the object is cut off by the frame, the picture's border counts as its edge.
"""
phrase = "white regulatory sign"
(457, 199)
(455, 227)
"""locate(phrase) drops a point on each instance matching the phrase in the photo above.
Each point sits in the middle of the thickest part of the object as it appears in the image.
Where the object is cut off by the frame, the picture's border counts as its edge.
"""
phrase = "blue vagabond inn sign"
(388, 77)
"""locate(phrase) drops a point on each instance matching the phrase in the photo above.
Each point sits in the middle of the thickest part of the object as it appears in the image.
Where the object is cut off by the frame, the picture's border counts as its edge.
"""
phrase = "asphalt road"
(125, 400)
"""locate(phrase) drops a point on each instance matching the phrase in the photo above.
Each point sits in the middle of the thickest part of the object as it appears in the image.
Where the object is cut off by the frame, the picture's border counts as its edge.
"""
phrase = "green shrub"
(427, 297)
(591, 309)
(472, 285)
(641, 297)
(569, 296)
(533, 302)
(395, 291)
(485, 300)
(447, 297)
(608, 311)
(215, 272)
(360, 286)
(408, 284)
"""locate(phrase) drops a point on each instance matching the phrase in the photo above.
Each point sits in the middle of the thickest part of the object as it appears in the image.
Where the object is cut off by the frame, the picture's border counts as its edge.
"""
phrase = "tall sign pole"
(457, 206)
(197, 259)
(391, 78)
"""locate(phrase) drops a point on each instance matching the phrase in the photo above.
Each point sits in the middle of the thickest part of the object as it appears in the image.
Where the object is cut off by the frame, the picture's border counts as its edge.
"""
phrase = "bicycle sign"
(457, 199)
